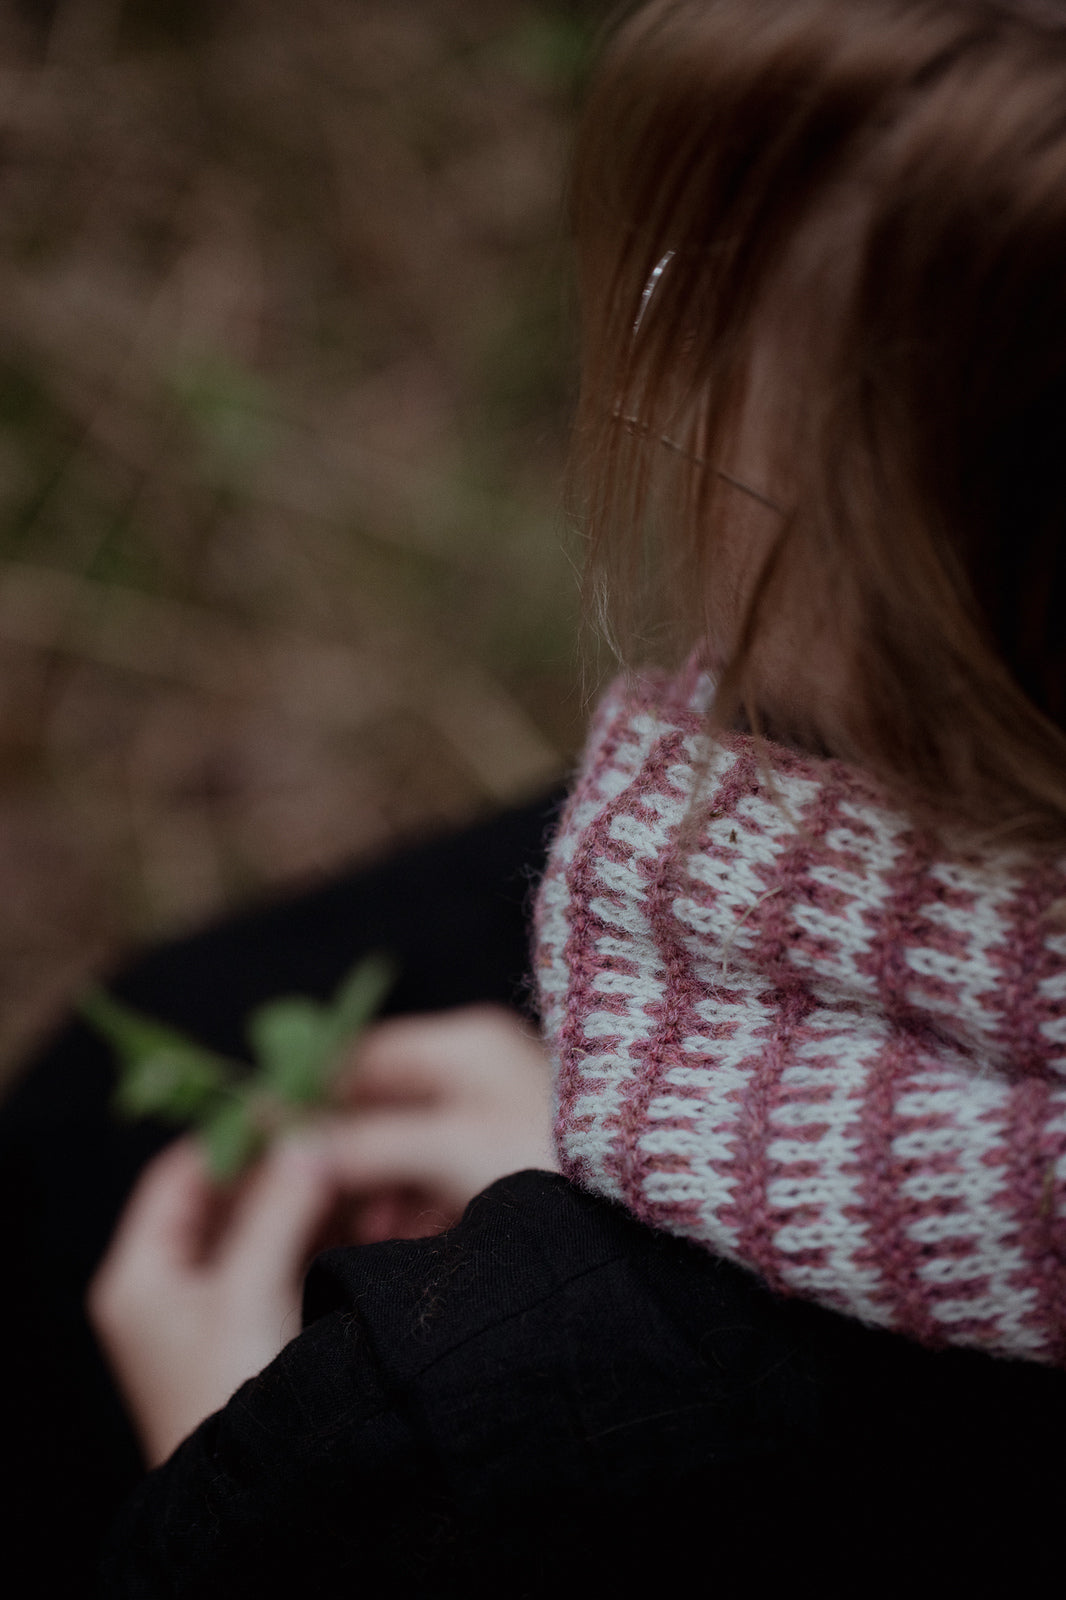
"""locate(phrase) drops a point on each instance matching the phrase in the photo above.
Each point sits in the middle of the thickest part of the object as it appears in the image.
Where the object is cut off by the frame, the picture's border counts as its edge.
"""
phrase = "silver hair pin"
(649, 288)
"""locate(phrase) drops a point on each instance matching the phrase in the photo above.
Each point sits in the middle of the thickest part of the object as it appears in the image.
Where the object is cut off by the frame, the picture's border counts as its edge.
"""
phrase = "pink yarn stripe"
(1025, 961)
(1030, 1192)
(772, 924)
(586, 928)
(626, 1160)
(890, 1249)
(894, 926)
(750, 1214)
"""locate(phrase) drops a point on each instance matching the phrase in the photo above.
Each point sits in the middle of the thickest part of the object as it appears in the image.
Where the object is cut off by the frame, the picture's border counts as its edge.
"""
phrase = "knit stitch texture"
(795, 1027)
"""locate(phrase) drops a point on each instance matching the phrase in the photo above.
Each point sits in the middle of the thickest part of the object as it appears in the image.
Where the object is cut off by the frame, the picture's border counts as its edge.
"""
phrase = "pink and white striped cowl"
(806, 1033)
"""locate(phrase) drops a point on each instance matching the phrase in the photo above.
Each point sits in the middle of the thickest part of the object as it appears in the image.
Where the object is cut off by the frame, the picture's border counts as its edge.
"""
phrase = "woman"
(789, 983)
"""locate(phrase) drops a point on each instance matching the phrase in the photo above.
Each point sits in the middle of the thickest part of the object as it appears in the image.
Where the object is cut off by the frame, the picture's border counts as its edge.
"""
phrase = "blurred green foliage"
(299, 1046)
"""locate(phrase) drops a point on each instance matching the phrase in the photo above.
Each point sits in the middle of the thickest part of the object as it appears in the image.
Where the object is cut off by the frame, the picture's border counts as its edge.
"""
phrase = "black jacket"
(551, 1399)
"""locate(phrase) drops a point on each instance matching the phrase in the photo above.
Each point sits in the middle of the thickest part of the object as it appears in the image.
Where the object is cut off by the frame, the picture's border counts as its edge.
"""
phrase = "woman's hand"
(201, 1286)
(446, 1104)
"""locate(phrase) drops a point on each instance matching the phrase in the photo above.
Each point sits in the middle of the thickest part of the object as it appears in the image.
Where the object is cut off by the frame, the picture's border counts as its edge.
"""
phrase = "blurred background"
(285, 368)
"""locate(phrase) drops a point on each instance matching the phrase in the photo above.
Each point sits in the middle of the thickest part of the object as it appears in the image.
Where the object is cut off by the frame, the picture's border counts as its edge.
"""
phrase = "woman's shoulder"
(552, 1387)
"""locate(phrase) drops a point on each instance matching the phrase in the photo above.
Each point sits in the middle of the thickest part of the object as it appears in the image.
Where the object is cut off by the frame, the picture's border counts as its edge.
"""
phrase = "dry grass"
(284, 364)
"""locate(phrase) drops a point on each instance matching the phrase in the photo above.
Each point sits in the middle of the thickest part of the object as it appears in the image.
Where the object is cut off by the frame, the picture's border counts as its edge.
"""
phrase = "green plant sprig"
(298, 1045)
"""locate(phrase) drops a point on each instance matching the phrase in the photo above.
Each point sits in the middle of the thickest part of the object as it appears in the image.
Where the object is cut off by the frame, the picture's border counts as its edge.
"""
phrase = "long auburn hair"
(866, 199)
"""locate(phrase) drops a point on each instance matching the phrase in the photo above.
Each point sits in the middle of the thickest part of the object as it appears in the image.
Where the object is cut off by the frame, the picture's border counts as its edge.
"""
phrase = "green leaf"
(131, 1034)
(291, 1042)
(299, 1044)
(169, 1083)
(162, 1073)
(231, 1139)
(359, 998)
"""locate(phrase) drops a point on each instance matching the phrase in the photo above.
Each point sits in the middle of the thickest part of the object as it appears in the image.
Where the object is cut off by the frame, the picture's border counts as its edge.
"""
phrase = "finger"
(444, 1159)
(166, 1216)
(411, 1058)
(392, 1149)
(278, 1215)
(441, 1056)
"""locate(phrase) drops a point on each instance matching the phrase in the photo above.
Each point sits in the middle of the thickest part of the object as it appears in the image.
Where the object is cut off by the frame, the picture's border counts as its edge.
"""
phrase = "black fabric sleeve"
(468, 1412)
(552, 1396)
(301, 1484)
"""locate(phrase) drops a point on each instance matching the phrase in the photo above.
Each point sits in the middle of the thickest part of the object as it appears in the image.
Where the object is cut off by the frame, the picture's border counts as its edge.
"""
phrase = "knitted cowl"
(793, 1026)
